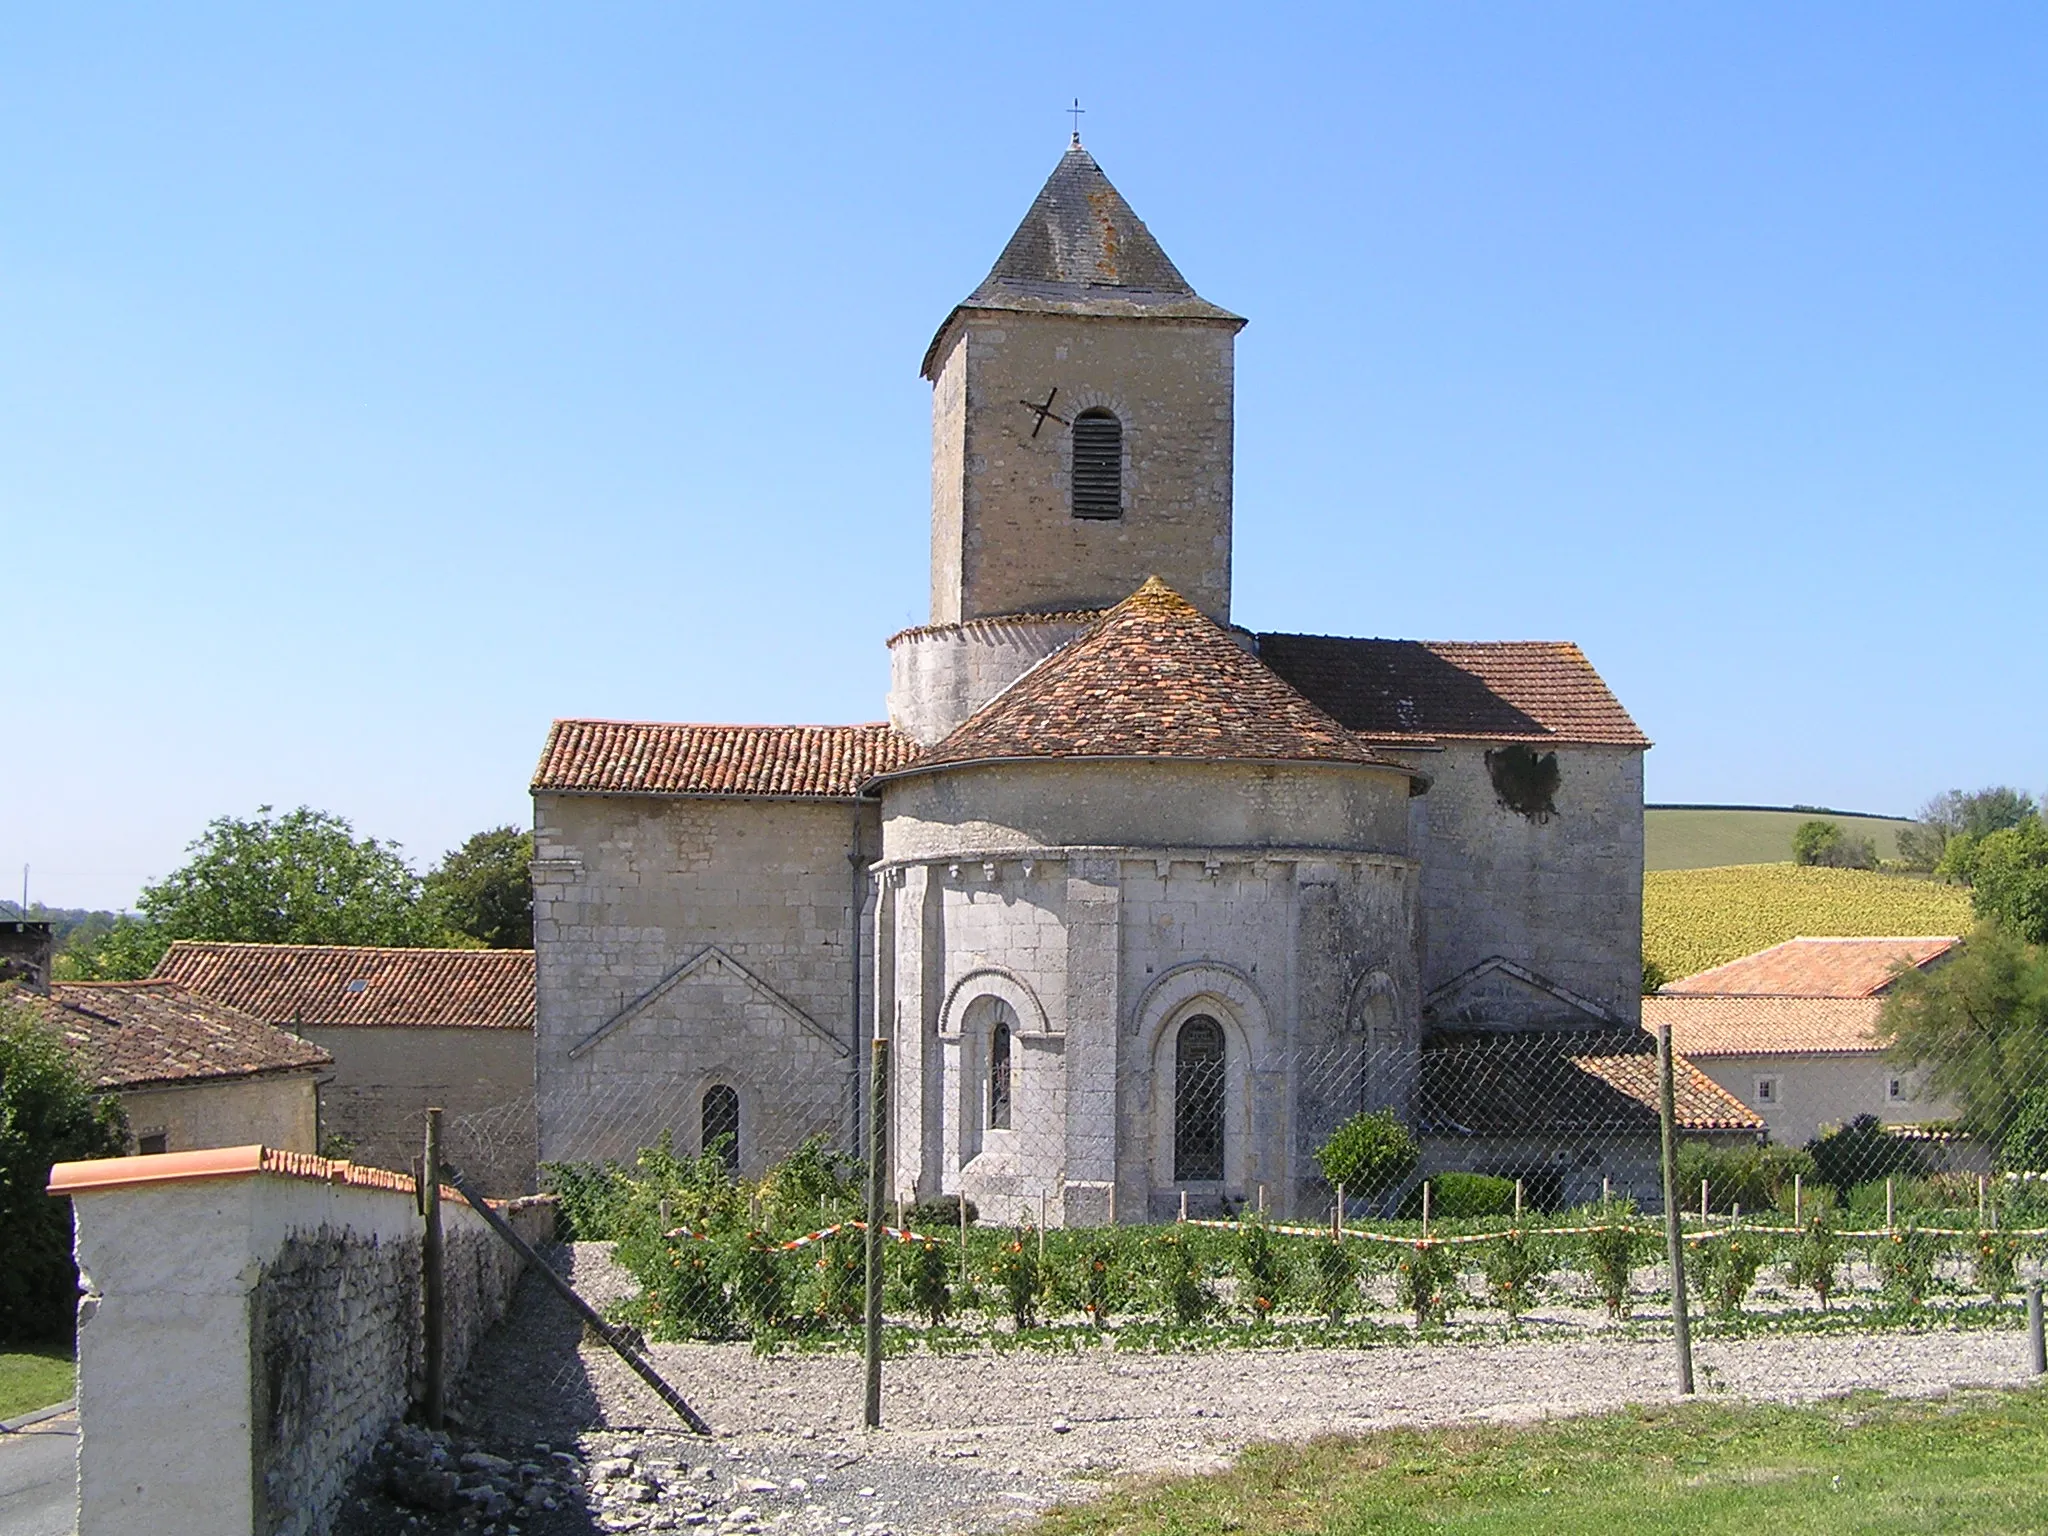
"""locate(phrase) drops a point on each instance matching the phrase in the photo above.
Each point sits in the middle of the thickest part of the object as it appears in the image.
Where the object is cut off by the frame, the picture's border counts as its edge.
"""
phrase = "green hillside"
(1676, 838)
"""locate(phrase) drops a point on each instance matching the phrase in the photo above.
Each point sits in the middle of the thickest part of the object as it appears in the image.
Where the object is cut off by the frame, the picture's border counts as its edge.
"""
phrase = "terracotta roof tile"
(802, 762)
(1546, 1083)
(1507, 690)
(134, 1034)
(240, 1162)
(1767, 1026)
(355, 986)
(1154, 677)
(1816, 968)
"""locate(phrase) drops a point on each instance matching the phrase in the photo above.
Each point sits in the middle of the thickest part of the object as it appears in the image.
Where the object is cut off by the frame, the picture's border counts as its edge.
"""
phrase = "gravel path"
(975, 1441)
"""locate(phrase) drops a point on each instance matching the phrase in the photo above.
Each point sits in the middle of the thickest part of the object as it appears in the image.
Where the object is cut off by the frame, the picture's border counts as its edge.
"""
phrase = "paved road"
(39, 1479)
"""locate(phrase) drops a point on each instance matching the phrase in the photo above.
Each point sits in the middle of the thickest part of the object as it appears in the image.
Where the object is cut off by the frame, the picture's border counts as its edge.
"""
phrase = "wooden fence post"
(878, 1173)
(1674, 1238)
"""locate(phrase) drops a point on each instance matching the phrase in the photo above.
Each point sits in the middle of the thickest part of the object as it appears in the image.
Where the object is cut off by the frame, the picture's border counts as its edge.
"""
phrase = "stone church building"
(1145, 902)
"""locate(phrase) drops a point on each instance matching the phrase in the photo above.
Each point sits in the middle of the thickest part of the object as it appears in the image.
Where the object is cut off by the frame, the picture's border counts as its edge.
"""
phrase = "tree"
(47, 1116)
(1954, 814)
(484, 889)
(1826, 844)
(2009, 880)
(1369, 1154)
(1979, 1025)
(1859, 1152)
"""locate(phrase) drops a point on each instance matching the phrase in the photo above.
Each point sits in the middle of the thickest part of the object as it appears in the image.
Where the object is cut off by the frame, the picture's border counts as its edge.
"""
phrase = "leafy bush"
(47, 1116)
(1905, 1264)
(1816, 1259)
(1723, 1269)
(1467, 1196)
(1184, 1295)
(758, 1277)
(1860, 1152)
(940, 1213)
(1994, 1261)
(590, 1200)
(840, 1294)
(1101, 1289)
(1426, 1283)
(1261, 1276)
(1336, 1279)
(1755, 1178)
(928, 1272)
(1368, 1154)
(1016, 1273)
(2026, 1141)
(811, 1187)
(1513, 1266)
(1610, 1255)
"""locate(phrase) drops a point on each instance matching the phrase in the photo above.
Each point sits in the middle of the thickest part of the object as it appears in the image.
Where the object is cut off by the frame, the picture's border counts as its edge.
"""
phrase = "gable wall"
(628, 888)
(1563, 897)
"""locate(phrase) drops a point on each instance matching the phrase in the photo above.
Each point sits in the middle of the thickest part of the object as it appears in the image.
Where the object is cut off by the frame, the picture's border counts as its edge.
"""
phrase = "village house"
(406, 1029)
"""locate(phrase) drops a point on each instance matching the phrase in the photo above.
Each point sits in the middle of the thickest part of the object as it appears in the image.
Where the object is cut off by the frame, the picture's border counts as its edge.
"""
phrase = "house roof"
(1817, 968)
(1081, 250)
(1155, 678)
(1708, 1026)
(329, 986)
(1493, 690)
(793, 762)
(138, 1034)
(1564, 1082)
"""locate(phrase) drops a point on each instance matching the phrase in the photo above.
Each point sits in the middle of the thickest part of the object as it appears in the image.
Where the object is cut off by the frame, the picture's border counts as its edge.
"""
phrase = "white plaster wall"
(627, 890)
(1817, 1093)
(1563, 896)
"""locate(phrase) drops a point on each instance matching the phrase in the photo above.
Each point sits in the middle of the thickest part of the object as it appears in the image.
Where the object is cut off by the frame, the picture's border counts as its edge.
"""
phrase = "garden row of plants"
(714, 1259)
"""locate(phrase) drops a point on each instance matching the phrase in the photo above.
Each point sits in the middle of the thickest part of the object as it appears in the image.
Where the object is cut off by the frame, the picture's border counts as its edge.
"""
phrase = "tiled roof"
(1081, 250)
(1156, 678)
(1766, 1026)
(238, 1162)
(1816, 968)
(802, 762)
(330, 986)
(135, 1034)
(1579, 1082)
(1505, 690)
(996, 623)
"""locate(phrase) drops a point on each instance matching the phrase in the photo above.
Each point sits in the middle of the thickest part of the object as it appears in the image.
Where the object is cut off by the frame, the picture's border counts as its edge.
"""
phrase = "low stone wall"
(251, 1325)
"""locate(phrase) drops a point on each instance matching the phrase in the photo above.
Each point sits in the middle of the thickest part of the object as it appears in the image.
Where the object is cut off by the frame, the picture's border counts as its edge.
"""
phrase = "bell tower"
(1081, 419)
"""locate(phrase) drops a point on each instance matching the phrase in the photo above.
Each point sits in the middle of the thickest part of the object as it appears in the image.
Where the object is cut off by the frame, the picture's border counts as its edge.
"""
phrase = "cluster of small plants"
(714, 1259)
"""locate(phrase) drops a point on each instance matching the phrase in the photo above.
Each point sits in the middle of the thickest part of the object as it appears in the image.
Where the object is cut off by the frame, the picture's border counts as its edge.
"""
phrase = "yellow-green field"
(1696, 918)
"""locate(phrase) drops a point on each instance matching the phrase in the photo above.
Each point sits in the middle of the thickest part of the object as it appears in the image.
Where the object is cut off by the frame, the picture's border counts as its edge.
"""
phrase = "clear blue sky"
(379, 382)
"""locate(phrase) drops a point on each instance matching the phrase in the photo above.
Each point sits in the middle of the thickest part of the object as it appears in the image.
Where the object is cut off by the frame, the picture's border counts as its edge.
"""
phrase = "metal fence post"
(1674, 1238)
(433, 1295)
(2037, 1345)
(878, 1152)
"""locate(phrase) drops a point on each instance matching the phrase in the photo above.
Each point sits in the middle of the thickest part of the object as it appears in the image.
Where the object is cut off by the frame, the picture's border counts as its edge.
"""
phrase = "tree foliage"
(2009, 880)
(484, 889)
(1979, 1025)
(1369, 1154)
(1826, 844)
(1859, 1152)
(1954, 815)
(47, 1115)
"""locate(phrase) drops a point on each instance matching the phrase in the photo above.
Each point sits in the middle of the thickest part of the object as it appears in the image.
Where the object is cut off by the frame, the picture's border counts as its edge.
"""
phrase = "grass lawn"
(1975, 1463)
(33, 1380)
(1674, 839)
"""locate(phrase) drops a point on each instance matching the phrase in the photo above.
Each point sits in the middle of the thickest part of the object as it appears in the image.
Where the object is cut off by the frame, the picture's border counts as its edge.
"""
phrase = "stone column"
(1093, 1007)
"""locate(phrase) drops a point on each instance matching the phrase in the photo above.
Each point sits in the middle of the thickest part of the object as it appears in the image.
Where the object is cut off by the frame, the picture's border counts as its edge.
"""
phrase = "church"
(1145, 902)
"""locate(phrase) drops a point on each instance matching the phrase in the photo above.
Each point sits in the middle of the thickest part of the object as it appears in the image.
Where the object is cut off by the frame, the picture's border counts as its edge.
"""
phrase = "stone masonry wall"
(1004, 539)
(687, 943)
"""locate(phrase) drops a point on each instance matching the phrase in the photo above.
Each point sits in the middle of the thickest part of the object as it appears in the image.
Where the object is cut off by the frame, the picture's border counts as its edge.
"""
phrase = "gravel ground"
(976, 1441)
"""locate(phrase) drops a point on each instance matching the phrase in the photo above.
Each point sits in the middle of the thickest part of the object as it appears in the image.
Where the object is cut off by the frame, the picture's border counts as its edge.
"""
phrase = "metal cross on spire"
(1077, 111)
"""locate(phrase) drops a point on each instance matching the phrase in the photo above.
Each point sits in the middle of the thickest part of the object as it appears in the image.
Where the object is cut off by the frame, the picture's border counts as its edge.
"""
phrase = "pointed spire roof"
(1155, 678)
(1082, 251)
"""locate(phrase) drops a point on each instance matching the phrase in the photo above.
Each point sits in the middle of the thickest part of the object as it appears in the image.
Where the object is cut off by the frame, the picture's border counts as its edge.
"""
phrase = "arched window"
(999, 1076)
(1198, 1101)
(721, 1125)
(1098, 465)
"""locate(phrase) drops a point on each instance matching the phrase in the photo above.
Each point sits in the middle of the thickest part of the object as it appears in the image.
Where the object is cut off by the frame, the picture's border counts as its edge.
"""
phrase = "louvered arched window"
(1098, 465)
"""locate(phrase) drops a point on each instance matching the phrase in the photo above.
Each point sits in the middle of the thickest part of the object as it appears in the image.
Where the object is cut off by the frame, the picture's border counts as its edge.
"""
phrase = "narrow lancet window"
(721, 1125)
(999, 1078)
(1198, 1102)
(1098, 465)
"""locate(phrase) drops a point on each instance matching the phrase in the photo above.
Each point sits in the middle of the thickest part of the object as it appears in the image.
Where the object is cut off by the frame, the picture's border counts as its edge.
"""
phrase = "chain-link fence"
(1470, 1185)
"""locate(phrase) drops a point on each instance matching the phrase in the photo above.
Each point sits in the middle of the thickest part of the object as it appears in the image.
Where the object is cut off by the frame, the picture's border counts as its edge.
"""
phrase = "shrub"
(1016, 1273)
(1755, 1178)
(590, 1200)
(940, 1212)
(1905, 1264)
(47, 1116)
(1100, 1290)
(1860, 1152)
(1467, 1196)
(928, 1272)
(1723, 1269)
(1611, 1254)
(842, 1271)
(810, 1187)
(2026, 1140)
(758, 1274)
(1336, 1279)
(1994, 1260)
(1426, 1282)
(1816, 1261)
(688, 1299)
(1184, 1295)
(1368, 1154)
(1261, 1275)
(1513, 1266)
